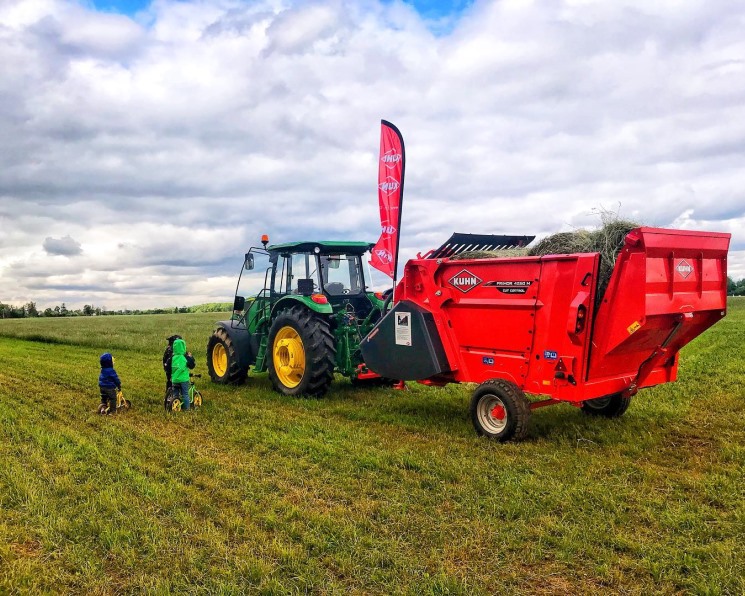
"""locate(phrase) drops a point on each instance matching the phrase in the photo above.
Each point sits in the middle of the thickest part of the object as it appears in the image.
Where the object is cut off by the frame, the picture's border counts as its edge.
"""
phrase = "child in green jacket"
(181, 362)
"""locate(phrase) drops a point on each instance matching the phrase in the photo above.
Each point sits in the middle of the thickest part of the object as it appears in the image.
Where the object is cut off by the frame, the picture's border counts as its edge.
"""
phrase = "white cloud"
(166, 144)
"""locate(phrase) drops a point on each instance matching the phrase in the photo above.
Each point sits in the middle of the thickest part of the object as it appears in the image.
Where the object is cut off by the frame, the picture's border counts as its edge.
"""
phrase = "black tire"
(318, 350)
(127, 404)
(223, 362)
(610, 406)
(102, 408)
(168, 398)
(514, 410)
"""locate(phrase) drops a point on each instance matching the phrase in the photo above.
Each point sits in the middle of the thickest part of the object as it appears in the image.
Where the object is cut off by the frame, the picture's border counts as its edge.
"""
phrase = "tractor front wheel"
(500, 411)
(610, 406)
(301, 353)
(223, 362)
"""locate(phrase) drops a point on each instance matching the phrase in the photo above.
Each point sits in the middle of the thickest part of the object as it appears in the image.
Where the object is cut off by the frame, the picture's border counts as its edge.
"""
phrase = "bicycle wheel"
(196, 399)
(167, 399)
(102, 408)
(176, 404)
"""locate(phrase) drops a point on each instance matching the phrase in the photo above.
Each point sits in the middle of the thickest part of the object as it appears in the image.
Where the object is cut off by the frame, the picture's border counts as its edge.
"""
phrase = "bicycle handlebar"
(193, 375)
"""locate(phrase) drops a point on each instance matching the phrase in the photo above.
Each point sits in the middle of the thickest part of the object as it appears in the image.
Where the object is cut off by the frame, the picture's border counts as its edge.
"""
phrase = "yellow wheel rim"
(197, 399)
(289, 357)
(176, 405)
(219, 360)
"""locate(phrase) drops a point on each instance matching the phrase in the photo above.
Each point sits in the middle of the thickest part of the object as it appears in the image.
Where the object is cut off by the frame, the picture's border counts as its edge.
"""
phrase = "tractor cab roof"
(325, 247)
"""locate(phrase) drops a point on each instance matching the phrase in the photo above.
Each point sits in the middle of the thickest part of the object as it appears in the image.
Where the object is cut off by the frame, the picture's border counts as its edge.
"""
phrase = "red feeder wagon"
(533, 325)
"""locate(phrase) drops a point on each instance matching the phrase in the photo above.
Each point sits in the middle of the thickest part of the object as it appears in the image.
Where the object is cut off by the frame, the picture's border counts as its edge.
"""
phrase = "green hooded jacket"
(180, 363)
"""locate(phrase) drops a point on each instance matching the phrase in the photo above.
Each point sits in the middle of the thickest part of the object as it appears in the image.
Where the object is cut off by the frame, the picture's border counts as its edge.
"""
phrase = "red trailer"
(534, 325)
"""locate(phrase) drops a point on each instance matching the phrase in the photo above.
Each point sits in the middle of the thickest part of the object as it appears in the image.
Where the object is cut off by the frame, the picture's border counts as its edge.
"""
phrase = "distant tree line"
(8, 311)
(735, 288)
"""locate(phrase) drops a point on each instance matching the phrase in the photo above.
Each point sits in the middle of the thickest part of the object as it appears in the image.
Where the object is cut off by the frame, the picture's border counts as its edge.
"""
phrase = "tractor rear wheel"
(500, 410)
(223, 362)
(610, 406)
(302, 353)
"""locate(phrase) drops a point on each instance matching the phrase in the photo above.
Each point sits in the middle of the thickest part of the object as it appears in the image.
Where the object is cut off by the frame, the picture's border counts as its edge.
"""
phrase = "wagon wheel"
(500, 410)
(609, 406)
(301, 353)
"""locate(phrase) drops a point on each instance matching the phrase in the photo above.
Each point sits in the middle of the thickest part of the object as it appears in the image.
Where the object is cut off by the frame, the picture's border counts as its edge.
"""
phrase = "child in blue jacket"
(108, 382)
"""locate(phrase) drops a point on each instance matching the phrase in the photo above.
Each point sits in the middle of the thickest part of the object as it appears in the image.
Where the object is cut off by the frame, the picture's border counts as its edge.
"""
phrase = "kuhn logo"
(465, 281)
(389, 185)
(684, 268)
(384, 255)
(391, 159)
(389, 229)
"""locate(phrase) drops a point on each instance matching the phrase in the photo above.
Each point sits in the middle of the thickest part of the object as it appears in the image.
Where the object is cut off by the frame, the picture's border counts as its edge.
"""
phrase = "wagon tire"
(302, 353)
(223, 361)
(609, 406)
(500, 411)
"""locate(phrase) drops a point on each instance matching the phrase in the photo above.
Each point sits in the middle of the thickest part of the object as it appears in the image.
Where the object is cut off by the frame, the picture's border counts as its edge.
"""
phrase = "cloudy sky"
(146, 145)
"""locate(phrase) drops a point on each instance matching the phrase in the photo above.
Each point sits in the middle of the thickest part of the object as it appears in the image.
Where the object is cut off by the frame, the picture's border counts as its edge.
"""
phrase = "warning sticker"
(403, 328)
(634, 327)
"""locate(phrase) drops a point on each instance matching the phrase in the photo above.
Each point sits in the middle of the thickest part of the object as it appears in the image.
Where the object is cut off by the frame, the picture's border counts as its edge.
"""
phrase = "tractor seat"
(334, 288)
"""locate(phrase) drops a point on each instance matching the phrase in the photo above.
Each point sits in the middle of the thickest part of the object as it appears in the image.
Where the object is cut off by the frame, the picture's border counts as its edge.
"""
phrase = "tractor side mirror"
(239, 304)
(248, 263)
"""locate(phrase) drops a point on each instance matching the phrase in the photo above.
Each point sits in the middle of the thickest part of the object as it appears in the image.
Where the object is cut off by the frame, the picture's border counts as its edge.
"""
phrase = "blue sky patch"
(429, 9)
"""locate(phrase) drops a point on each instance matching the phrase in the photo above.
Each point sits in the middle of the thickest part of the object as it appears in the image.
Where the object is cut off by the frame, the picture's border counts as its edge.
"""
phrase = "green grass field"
(362, 492)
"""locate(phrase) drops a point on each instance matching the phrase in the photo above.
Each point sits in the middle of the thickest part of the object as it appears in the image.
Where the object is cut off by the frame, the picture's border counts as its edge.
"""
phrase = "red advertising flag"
(391, 167)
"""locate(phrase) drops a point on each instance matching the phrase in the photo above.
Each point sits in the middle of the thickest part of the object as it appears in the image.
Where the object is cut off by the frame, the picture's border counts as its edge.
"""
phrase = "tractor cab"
(334, 270)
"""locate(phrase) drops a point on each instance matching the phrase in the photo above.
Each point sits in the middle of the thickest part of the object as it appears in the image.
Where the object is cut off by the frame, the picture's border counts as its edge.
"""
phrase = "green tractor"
(305, 324)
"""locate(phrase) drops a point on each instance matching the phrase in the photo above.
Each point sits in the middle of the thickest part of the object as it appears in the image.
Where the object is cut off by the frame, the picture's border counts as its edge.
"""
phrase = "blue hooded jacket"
(108, 379)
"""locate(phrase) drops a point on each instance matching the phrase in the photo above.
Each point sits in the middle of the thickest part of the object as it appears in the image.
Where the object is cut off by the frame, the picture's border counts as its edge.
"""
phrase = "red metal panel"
(484, 308)
(567, 288)
(668, 286)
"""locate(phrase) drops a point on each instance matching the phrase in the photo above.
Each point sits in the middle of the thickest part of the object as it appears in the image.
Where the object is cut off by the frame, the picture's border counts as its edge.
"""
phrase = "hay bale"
(608, 240)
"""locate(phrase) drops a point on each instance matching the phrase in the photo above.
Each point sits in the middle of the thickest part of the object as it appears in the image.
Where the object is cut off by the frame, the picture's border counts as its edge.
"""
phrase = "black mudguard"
(246, 344)
(405, 345)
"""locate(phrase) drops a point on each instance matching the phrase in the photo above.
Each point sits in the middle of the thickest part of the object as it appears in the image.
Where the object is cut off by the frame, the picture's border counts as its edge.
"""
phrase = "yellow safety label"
(634, 327)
